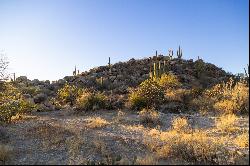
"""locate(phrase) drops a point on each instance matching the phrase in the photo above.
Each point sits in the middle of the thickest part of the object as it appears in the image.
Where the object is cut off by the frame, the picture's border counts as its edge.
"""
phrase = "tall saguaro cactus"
(74, 72)
(159, 69)
(155, 70)
(109, 65)
(179, 52)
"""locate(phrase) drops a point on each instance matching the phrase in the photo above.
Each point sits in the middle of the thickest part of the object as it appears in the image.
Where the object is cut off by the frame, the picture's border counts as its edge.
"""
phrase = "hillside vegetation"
(155, 110)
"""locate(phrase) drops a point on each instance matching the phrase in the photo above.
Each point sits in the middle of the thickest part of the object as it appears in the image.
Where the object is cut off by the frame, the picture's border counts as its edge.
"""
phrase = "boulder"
(39, 98)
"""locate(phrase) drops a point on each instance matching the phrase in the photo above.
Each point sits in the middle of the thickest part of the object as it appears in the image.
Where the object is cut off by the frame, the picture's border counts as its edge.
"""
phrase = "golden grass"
(180, 124)
(97, 122)
(227, 123)
(146, 160)
(242, 140)
(195, 147)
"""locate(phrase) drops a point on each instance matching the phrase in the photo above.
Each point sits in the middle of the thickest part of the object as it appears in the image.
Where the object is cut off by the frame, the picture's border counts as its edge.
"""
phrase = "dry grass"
(149, 117)
(97, 122)
(180, 124)
(5, 153)
(146, 160)
(227, 123)
(195, 147)
(242, 140)
(52, 137)
(225, 98)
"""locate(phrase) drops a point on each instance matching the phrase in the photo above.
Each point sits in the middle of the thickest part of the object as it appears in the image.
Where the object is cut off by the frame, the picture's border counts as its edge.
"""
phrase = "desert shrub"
(225, 98)
(30, 90)
(180, 124)
(91, 101)
(149, 116)
(12, 103)
(97, 122)
(168, 81)
(148, 94)
(68, 93)
(137, 101)
(179, 95)
(242, 140)
(199, 68)
(194, 147)
(56, 103)
(146, 160)
(11, 108)
(227, 123)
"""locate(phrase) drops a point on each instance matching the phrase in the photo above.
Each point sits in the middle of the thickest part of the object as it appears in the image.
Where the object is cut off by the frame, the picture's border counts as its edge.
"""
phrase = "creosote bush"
(12, 103)
(168, 81)
(68, 93)
(91, 101)
(148, 94)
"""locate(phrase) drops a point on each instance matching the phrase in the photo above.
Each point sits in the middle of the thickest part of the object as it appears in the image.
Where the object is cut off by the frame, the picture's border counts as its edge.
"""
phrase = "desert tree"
(3, 67)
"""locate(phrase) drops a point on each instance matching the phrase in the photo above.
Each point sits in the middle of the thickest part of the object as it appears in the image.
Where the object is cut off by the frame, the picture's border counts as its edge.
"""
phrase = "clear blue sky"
(45, 39)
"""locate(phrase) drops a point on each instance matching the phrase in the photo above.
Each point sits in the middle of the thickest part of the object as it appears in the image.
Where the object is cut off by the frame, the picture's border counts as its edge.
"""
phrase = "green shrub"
(168, 81)
(199, 68)
(90, 101)
(148, 94)
(30, 90)
(137, 101)
(68, 93)
(14, 107)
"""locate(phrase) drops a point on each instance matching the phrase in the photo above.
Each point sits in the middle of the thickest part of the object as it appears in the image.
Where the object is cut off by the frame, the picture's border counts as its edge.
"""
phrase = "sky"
(45, 39)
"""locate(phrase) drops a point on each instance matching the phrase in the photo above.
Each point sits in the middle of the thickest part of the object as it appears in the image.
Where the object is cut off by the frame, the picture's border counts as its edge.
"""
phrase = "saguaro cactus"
(14, 75)
(179, 53)
(155, 72)
(109, 65)
(150, 72)
(101, 81)
(159, 69)
(74, 72)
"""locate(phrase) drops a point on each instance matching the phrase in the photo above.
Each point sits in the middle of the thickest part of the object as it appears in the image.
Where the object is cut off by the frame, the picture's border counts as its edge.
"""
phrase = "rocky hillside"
(116, 80)
(133, 72)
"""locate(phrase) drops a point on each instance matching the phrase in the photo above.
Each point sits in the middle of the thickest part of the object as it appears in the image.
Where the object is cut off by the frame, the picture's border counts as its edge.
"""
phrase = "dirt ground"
(61, 137)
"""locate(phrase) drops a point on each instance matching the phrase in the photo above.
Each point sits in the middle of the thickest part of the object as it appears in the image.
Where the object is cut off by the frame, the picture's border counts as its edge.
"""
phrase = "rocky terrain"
(125, 75)
(52, 134)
